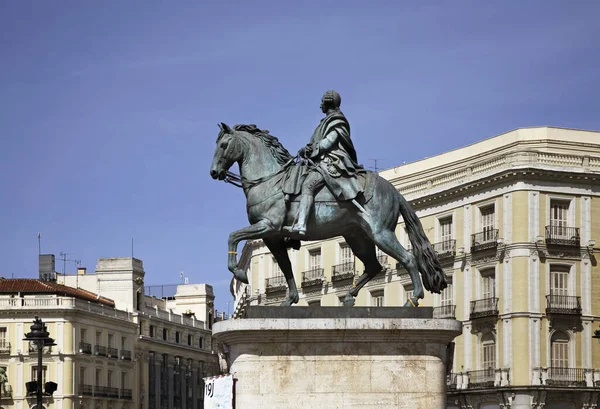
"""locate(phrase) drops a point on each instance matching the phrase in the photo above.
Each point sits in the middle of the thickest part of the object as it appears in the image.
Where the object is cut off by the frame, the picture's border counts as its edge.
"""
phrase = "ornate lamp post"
(39, 336)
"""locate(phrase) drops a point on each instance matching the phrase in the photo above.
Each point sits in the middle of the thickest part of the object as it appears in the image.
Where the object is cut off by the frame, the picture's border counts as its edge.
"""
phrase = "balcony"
(126, 394)
(273, 284)
(100, 350)
(487, 307)
(4, 347)
(102, 391)
(562, 236)
(484, 378)
(566, 377)
(86, 390)
(85, 348)
(126, 355)
(444, 312)
(485, 240)
(563, 304)
(312, 277)
(452, 381)
(342, 271)
(445, 250)
(112, 352)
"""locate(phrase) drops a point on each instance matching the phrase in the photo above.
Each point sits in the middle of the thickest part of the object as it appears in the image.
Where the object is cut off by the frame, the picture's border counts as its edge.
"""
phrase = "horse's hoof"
(412, 302)
(288, 302)
(349, 301)
(241, 275)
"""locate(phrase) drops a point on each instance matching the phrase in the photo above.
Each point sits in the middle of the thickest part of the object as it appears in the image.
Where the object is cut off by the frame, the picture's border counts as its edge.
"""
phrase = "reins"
(237, 180)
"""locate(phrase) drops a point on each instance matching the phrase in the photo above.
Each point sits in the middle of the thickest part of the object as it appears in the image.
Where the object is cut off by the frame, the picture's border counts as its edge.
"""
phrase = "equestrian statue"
(321, 193)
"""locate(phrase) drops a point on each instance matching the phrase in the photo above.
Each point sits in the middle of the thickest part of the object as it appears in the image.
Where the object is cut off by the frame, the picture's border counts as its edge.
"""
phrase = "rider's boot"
(306, 202)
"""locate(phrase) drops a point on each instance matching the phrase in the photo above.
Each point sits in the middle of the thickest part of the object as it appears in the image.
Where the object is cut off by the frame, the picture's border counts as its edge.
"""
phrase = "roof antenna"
(39, 236)
(374, 167)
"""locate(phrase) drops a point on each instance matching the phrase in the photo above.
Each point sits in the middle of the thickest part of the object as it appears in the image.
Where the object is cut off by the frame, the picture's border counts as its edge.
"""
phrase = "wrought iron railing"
(445, 249)
(312, 277)
(86, 390)
(4, 347)
(112, 352)
(126, 393)
(342, 271)
(444, 311)
(126, 355)
(85, 348)
(102, 391)
(485, 240)
(100, 350)
(566, 376)
(482, 378)
(484, 308)
(562, 236)
(276, 282)
(112, 392)
(563, 304)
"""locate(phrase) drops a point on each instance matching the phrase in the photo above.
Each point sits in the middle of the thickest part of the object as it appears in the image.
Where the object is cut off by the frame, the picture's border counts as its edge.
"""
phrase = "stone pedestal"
(336, 357)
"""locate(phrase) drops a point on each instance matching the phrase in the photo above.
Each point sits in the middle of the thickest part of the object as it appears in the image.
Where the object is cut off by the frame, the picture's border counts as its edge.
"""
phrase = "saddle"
(294, 176)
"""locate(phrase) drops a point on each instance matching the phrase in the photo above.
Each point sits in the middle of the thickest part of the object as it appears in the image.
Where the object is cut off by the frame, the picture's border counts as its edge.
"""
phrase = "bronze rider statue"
(331, 159)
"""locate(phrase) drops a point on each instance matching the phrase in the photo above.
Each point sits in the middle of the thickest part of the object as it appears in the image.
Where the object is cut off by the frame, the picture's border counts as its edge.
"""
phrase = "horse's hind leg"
(386, 240)
(279, 250)
(364, 248)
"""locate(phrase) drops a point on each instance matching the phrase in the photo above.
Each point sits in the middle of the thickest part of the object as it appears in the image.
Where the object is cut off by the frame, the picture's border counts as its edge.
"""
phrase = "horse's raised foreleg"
(364, 248)
(279, 251)
(256, 231)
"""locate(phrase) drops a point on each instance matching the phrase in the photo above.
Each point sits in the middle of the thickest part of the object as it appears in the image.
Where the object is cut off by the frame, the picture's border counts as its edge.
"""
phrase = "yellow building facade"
(116, 347)
(514, 220)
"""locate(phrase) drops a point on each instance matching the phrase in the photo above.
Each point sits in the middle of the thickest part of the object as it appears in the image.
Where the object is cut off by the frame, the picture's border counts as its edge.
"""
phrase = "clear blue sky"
(109, 110)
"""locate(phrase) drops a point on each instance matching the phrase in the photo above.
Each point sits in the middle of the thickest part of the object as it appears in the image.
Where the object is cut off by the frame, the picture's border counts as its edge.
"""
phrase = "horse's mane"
(279, 152)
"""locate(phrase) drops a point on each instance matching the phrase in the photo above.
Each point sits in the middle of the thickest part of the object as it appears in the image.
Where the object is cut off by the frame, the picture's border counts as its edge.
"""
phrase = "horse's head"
(227, 153)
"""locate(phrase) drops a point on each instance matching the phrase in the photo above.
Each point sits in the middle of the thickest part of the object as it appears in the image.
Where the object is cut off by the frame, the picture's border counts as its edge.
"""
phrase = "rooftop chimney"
(81, 271)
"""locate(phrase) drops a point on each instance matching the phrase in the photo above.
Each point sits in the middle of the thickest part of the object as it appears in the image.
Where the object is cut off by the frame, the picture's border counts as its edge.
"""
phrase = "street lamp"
(39, 336)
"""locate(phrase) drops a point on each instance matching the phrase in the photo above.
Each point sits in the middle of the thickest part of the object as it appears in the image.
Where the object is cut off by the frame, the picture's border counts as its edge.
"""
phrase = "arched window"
(488, 351)
(560, 350)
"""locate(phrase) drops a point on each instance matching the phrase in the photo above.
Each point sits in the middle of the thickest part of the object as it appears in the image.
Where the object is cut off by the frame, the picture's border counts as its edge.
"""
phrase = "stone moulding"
(338, 362)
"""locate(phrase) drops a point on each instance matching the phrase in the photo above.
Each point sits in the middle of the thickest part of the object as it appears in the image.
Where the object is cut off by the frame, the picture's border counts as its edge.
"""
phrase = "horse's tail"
(434, 278)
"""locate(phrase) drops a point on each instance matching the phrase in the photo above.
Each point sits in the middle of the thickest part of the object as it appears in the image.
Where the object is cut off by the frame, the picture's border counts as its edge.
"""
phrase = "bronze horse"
(263, 162)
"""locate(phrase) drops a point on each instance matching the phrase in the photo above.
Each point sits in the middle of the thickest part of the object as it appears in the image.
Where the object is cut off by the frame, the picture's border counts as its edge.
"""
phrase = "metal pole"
(40, 347)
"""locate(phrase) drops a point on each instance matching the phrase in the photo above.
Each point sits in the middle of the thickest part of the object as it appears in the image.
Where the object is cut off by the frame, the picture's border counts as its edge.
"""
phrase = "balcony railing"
(312, 277)
(275, 283)
(483, 378)
(126, 355)
(126, 393)
(566, 377)
(86, 390)
(486, 307)
(112, 392)
(452, 381)
(562, 236)
(444, 311)
(485, 240)
(4, 347)
(342, 271)
(85, 348)
(563, 304)
(445, 249)
(100, 350)
(102, 391)
(112, 352)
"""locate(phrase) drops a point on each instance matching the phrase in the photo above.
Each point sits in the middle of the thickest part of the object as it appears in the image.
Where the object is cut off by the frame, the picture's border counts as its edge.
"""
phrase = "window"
(83, 334)
(559, 280)
(314, 259)
(109, 380)
(189, 339)
(123, 342)
(34, 373)
(488, 284)
(110, 340)
(560, 350)
(82, 375)
(165, 334)
(488, 351)
(488, 221)
(446, 297)
(559, 212)
(98, 376)
(98, 338)
(123, 380)
(275, 269)
(377, 299)
(346, 255)
(152, 331)
(177, 335)
(200, 342)
(3, 338)
(446, 234)
(381, 256)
